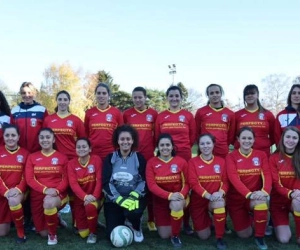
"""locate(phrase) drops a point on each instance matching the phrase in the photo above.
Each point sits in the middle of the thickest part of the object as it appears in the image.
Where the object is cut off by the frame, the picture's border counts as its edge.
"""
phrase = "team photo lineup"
(139, 165)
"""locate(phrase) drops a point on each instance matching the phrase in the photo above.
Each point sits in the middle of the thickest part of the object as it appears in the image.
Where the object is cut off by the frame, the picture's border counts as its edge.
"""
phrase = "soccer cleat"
(221, 244)
(21, 240)
(151, 226)
(138, 235)
(261, 243)
(92, 239)
(176, 242)
(269, 230)
(61, 222)
(52, 239)
(188, 230)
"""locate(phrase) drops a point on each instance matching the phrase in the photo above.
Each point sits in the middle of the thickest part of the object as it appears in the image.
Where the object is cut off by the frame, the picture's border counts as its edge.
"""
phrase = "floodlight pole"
(172, 71)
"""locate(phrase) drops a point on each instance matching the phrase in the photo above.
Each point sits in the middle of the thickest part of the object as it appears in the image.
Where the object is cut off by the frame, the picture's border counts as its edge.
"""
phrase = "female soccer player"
(12, 183)
(124, 183)
(85, 180)
(4, 115)
(209, 184)
(290, 115)
(180, 124)
(250, 177)
(166, 178)
(46, 174)
(285, 195)
(101, 121)
(254, 115)
(143, 118)
(66, 126)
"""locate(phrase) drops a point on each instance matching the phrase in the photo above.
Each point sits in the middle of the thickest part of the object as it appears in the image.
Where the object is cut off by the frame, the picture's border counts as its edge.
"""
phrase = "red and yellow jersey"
(99, 126)
(181, 126)
(143, 122)
(218, 122)
(248, 173)
(283, 174)
(86, 179)
(47, 171)
(262, 124)
(207, 176)
(167, 177)
(12, 165)
(66, 129)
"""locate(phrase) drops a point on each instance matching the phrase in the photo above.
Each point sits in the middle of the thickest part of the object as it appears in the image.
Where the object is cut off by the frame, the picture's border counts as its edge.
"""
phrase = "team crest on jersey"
(182, 118)
(20, 158)
(256, 161)
(217, 169)
(69, 123)
(174, 168)
(149, 118)
(224, 117)
(108, 117)
(33, 122)
(54, 161)
(91, 169)
(261, 116)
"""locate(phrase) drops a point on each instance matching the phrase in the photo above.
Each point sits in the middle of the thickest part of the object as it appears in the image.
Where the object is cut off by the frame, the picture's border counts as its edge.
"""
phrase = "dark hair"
(126, 128)
(214, 85)
(166, 136)
(141, 89)
(62, 92)
(248, 89)
(7, 126)
(84, 139)
(245, 128)
(4, 104)
(104, 85)
(296, 154)
(289, 98)
(212, 137)
(47, 129)
(29, 85)
(174, 87)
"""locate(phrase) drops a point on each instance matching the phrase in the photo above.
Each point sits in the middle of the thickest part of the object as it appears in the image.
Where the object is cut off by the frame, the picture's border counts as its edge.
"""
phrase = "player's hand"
(216, 196)
(127, 203)
(176, 197)
(51, 192)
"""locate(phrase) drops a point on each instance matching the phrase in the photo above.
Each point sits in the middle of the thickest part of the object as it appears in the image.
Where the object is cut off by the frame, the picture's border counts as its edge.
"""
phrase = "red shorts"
(162, 212)
(5, 216)
(199, 212)
(280, 211)
(37, 208)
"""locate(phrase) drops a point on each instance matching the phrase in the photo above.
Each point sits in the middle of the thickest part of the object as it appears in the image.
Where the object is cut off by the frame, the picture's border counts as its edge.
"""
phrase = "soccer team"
(108, 160)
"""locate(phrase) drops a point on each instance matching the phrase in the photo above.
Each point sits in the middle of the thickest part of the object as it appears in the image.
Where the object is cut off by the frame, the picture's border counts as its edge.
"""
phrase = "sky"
(232, 43)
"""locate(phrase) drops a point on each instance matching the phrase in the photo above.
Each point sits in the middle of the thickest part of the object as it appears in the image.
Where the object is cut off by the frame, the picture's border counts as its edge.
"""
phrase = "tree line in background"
(82, 86)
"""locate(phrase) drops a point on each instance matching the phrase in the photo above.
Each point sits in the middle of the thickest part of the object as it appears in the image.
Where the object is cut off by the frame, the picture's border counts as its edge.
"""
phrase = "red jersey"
(86, 179)
(12, 166)
(143, 122)
(164, 178)
(248, 173)
(218, 122)
(47, 171)
(207, 176)
(99, 126)
(181, 126)
(283, 174)
(262, 124)
(66, 129)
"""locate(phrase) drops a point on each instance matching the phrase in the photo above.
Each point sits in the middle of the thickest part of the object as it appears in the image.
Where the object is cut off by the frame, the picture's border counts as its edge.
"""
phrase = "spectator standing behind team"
(124, 183)
(217, 120)
(143, 118)
(85, 180)
(4, 115)
(290, 115)
(254, 115)
(12, 183)
(166, 176)
(180, 124)
(285, 195)
(208, 180)
(66, 126)
(46, 175)
(250, 177)
(101, 121)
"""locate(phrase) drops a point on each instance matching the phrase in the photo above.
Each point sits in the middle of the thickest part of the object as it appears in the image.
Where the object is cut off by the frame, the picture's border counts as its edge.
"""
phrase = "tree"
(275, 92)
(195, 99)
(12, 98)
(156, 99)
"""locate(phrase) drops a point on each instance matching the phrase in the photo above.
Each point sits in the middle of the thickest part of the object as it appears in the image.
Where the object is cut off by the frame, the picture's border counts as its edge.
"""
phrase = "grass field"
(70, 241)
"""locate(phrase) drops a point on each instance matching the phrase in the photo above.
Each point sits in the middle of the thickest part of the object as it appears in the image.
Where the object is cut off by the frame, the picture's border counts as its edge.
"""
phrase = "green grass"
(69, 241)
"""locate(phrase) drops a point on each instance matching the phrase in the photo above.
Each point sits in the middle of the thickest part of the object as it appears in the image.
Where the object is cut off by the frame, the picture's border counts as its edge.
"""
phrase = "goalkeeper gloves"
(127, 203)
